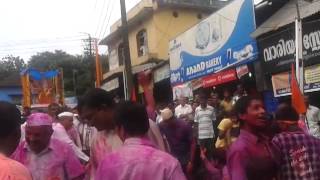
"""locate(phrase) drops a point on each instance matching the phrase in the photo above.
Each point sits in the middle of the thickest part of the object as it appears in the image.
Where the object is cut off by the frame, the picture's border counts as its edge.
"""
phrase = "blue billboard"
(218, 42)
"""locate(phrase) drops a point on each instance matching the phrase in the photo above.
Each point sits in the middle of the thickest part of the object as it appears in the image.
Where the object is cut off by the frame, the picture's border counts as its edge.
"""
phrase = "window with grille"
(142, 43)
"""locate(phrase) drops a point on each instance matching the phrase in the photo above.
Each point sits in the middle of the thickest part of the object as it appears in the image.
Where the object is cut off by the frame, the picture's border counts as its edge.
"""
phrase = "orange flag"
(98, 66)
(296, 97)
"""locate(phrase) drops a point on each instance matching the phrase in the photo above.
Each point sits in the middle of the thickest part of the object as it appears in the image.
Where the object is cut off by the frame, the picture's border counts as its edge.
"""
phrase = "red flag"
(296, 97)
(133, 95)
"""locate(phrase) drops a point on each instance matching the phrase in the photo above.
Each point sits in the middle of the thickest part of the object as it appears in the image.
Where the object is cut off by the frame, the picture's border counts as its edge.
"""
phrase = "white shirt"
(183, 110)
(313, 118)
(60, 133)
(205, 118)
(86, 133)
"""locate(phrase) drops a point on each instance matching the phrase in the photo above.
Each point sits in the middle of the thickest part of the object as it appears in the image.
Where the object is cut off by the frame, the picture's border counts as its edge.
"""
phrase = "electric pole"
(89, 45)
(88, 52)
(127, 60)
(299, 49)
(299, 57)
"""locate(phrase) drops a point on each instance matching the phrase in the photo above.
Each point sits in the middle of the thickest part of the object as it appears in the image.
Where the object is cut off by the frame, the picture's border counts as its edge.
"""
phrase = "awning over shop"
(286, 15)
(111, 85)
(143, 67)
(110, 73)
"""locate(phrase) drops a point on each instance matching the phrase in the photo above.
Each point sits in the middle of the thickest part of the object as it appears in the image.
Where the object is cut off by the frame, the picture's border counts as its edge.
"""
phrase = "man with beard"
(249, 157)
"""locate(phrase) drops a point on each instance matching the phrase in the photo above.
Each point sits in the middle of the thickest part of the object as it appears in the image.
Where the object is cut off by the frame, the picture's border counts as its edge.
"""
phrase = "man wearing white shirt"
(204, 118)
(87, 133)
(65, 122)
(313, 118)
(184, 110)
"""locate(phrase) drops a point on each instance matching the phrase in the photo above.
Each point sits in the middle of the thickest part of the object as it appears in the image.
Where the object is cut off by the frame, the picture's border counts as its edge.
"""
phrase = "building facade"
(152, 24)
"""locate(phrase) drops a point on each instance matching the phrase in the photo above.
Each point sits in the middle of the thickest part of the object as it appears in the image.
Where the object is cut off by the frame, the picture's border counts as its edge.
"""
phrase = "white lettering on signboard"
(284, 48)
(203, 66)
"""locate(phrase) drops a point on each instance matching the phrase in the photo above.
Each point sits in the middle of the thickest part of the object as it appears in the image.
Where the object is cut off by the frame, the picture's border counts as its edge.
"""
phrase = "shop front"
(278, 54)
(162, 86)
(218, 51)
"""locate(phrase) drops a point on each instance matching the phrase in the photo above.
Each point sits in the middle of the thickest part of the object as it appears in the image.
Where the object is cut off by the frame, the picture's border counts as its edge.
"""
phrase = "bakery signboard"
(218, 42)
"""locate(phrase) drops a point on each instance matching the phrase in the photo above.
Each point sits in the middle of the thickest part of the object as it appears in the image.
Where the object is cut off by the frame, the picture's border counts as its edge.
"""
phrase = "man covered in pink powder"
(97, 108)
(47, 158)
(138, 158)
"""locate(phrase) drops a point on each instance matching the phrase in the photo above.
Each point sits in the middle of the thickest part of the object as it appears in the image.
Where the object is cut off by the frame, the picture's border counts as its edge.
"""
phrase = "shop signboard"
(242, 70)
(219, 78)
(281, 82)
(161, 73)
(271, 103)
(218, 42)
(278, 50)
(111, 85)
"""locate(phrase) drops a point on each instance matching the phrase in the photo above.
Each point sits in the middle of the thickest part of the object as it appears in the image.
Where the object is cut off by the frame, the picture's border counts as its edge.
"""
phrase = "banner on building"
(218, 42)
(113, 60)
(183, 90)
(278, 50)
(111, 85)
(161, 73)
(242, 70)
(281, 82)
(219, 78)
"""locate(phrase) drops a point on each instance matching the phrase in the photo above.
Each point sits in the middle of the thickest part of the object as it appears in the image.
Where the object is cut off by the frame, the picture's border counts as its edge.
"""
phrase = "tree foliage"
(10, 65)
(80, 69)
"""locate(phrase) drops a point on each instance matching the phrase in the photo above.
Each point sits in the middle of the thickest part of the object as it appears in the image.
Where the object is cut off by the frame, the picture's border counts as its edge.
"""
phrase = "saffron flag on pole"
(98, 66)
(297, 98)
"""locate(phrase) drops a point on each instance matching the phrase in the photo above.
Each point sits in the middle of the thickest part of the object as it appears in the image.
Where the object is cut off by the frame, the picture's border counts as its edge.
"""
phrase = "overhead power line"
(108, 22)
(40, 41)
(104, 7)
(107, 16)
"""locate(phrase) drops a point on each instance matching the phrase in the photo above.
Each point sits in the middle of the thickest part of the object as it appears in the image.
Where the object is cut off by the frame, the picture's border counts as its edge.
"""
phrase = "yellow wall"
(168, 27)
(161, 28)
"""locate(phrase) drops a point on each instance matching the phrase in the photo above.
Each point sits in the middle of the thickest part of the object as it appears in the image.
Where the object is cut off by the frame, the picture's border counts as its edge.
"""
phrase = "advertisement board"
(219, 78)
(281, 82)
(218, 42)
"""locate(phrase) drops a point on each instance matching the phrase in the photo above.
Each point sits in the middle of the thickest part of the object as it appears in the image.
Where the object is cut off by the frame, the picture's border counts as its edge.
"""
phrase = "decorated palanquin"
(42, 87)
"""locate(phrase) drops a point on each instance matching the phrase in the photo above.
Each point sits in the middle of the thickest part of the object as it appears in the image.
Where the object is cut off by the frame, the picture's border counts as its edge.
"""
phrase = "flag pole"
(298, 42)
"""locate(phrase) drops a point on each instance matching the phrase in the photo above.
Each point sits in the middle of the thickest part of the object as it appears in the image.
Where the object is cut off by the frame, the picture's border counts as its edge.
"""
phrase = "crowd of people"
(203, 138)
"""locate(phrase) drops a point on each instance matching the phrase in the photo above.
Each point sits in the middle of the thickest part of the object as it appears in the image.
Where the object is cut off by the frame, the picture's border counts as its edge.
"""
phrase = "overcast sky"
(31, 26)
